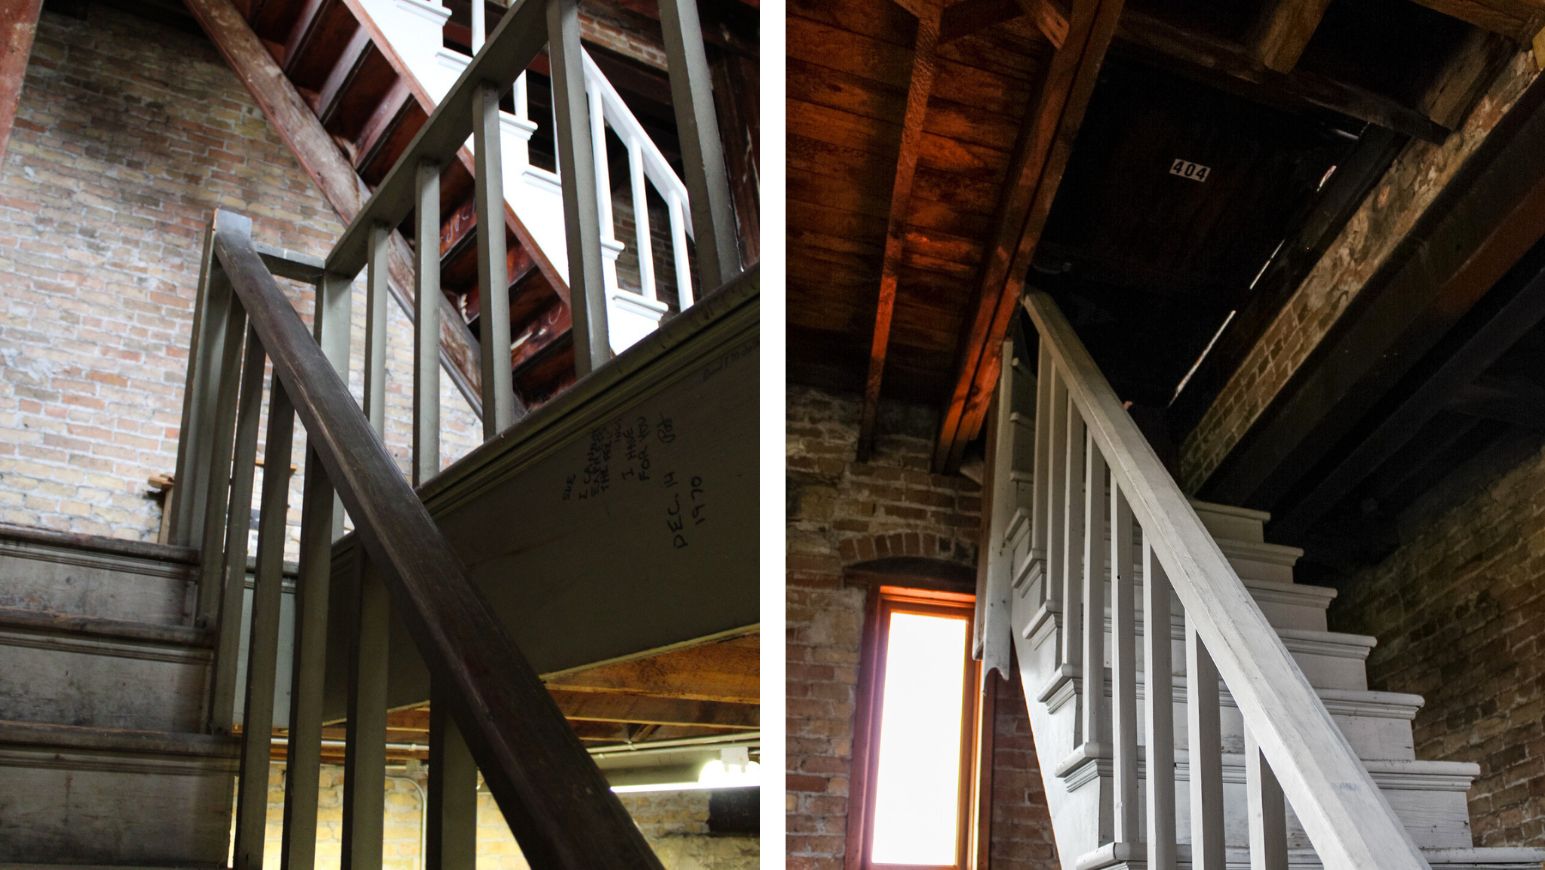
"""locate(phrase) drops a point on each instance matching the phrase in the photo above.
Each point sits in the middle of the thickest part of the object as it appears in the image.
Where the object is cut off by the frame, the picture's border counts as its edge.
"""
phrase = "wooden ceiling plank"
(1518, 20)
(919, 87)
(1284, 30)
(1045, 144)
(1221, 63)
(1466, 76)
(18, 29)
(1049, 18)
(1513, 401)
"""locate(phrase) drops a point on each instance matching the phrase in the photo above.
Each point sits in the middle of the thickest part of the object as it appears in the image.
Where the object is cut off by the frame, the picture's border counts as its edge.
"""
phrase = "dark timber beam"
(971, 16)
(1518, 20)
(332, 172)
(18, 27)
(1040, 158)
(1492, 213)
(1232, 67)
(1284, 30)
(593, 707)
(1513, 401)
(918, 89)
(1436, 388)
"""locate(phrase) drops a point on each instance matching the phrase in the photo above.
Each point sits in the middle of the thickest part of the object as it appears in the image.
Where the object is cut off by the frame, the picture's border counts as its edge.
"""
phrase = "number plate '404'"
(1187, 169)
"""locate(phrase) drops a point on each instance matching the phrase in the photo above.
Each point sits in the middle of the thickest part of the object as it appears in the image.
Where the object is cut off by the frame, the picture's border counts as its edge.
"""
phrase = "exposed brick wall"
(841, 512)
(1459, 611)
(1391, 209)
(128, 135)
(675, 824)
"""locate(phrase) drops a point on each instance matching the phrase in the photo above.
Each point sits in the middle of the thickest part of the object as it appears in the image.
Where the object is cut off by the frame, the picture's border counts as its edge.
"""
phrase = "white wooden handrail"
(1342, 811)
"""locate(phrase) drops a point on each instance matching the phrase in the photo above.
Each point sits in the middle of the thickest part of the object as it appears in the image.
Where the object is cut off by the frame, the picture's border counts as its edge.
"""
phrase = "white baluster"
(1096, 510)
(610, 247)
(522, 99)
(679, 252)
(645, 245)
(479, 25)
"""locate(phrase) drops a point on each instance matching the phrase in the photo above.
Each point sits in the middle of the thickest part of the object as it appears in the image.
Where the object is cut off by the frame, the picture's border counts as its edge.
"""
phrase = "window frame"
(975, 723)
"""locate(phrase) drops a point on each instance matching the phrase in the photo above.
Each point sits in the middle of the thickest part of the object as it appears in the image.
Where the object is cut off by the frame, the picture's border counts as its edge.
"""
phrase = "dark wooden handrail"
(555, 800)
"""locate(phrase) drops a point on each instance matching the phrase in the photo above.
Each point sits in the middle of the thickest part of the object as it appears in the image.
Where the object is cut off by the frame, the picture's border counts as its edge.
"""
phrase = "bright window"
(919, 725)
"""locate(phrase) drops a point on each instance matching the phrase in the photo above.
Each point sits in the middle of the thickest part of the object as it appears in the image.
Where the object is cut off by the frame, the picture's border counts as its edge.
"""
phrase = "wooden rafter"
(1317, 431)
(1518, 20)
(1284, 30)
(971, 16)
(18, 26)
(1040, 158)
(918, 88)
(1231, 66)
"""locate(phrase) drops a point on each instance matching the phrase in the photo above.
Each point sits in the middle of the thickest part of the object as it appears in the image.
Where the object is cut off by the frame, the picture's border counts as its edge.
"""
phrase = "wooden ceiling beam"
(1514, 401)
(973, 16)
(1519, 20)
(1040, 158)
(598, 707)
(1231, 66)
(727, 671)
(1284, 30)
(920, 85)
(18, 28)
(1360, 392)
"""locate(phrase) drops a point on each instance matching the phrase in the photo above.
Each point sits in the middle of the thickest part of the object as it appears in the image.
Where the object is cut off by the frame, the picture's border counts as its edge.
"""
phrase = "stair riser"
(1373, 735)
(83, 583)
(1434, 817)
(83, 807)
(82, 680)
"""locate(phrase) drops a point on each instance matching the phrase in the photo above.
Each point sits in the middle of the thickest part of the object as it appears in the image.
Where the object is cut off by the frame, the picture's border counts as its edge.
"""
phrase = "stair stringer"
(532, 195)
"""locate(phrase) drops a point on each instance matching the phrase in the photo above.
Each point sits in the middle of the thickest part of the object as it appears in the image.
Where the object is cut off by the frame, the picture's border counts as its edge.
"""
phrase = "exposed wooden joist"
(1453, 258)
(971, 16)
(329, 169)
(728, 671)
(1464, 79)
(1518, 20)
(1513, 401)
(1040, 158)
(1222, 63)
(596, 707)
(1432, 389)
(18, 27)
(1284, 30)
(918, 89)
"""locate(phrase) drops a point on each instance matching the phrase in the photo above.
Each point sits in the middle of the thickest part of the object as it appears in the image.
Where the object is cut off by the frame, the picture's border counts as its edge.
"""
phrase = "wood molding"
(1041, 157)
(924, 64)
(330, 170)
(18, 28)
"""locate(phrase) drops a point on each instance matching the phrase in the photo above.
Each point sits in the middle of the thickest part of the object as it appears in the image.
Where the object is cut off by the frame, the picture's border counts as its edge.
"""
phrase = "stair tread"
(51, 735)
(1473, 857)
(105, 627)
(97, 543)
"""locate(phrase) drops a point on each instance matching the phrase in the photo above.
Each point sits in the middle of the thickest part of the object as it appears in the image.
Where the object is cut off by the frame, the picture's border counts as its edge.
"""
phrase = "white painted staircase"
(1302, 731)
(104, 755)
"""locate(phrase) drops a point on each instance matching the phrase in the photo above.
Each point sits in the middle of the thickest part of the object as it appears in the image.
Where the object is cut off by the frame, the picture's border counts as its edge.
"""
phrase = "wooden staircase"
(366, 95)
(104, 754)
(1258, 746)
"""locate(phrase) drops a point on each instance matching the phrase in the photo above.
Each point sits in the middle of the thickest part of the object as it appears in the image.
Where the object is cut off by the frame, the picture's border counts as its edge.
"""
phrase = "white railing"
(1098, 490)
(415, 30)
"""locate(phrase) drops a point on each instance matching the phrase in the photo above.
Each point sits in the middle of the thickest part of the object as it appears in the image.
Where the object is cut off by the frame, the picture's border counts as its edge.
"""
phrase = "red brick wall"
(841, 512)
(1459, 611)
